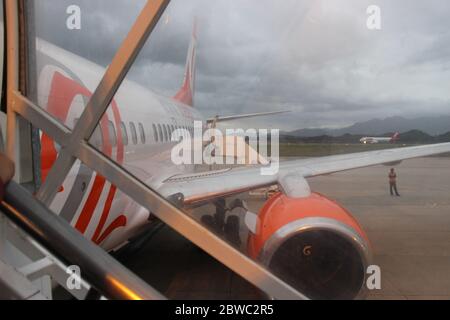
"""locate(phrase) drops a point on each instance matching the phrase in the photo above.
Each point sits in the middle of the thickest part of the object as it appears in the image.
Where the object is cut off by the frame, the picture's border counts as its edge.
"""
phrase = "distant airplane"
(372, 140)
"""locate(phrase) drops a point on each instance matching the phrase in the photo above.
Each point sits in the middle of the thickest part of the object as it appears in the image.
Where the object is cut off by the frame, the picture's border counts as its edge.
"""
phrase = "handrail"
(101, 270)
(142, 194)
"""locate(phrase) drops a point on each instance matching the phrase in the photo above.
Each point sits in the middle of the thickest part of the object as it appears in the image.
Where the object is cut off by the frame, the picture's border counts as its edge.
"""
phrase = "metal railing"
(105, 274)
(74, 146)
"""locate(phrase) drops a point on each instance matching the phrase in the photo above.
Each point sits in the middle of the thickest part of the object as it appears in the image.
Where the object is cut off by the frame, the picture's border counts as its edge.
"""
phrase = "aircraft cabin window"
(168, 132)
(133, 133)
(112, 134)
(97, 138)
(124, 133)
(160, 133)
(155, 132)
(142, 132)
(165, 133)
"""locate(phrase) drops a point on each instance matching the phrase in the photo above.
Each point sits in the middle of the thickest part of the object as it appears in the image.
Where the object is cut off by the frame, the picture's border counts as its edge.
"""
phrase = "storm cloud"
(314, 57)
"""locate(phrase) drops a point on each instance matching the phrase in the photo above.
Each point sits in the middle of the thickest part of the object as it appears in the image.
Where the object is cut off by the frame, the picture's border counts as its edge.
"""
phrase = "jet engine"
(313, 244)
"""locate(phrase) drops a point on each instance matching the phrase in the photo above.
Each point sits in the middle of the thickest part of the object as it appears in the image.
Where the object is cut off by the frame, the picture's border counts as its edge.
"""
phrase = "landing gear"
(216, 222)
(232, 231)
(226, 221)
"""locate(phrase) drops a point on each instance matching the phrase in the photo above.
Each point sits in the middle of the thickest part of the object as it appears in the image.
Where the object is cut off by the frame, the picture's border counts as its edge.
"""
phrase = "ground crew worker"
(393, 183)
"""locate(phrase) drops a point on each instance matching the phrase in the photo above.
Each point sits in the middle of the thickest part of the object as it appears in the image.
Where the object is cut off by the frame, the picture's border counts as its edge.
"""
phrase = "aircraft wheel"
(232, 230)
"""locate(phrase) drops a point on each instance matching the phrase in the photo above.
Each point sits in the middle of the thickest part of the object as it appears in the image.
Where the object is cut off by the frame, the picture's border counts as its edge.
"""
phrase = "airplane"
(303, 237)
(373, 140)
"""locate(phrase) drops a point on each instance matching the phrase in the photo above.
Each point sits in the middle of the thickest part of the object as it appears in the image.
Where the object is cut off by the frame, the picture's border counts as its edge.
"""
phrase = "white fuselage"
(136, 133)
(373, 140)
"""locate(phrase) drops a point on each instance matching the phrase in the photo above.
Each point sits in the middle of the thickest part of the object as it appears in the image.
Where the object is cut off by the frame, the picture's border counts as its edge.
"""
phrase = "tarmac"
(410, 237)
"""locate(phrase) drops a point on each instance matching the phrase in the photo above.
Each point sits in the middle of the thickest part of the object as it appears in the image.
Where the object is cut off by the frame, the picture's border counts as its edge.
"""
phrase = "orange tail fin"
(186, 93)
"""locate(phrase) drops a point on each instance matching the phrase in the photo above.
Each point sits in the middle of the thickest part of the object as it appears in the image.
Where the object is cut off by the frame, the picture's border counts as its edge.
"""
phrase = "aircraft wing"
(218, 119)
(203, 187)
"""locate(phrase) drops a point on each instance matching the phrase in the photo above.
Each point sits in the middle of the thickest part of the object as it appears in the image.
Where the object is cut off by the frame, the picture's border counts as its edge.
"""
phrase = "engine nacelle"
(313, 244)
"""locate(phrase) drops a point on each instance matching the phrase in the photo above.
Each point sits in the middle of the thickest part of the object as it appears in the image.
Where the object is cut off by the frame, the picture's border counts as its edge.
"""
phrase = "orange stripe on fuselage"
(105, 213)
(91, 204)
(99, 183)
(121, 221)
(63, 92)
(113, 189)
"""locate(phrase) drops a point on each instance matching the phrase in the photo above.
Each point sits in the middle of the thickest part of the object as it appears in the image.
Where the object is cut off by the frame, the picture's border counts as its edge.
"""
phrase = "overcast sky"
(314, 57)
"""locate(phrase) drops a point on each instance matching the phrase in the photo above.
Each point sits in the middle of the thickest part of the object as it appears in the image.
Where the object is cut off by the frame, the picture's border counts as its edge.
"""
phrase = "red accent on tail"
(186, 93)
(395, 137)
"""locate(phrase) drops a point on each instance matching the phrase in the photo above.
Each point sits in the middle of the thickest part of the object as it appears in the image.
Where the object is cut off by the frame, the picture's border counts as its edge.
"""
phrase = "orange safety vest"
(392, 178)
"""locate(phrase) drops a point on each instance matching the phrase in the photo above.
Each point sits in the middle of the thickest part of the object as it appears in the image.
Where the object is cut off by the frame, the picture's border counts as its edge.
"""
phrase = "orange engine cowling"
(313, 244)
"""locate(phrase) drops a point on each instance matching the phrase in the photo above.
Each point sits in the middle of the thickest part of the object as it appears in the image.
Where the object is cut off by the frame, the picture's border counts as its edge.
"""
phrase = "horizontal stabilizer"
(244, 116)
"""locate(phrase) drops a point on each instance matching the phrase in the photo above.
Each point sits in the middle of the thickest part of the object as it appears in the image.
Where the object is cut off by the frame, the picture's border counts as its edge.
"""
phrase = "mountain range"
(433, 126)
(409, 137)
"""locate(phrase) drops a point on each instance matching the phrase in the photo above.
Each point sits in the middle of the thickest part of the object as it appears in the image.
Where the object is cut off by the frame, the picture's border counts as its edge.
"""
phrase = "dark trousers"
(393, 188)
